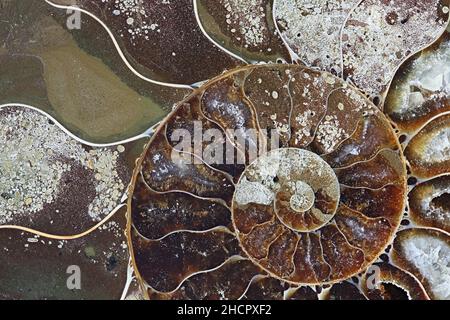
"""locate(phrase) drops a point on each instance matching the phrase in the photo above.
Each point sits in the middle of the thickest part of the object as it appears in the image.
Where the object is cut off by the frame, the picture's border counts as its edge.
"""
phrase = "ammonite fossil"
(419, 104)
(309, 157)
(317, 203)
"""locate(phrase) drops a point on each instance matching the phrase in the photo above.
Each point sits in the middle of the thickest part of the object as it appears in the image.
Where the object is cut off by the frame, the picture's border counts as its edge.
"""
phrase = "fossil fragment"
(33, 267)
(429, 203)
(425, 253)
(379, 35)
(421, 88)
(47, 176)
(312, 29)
(245, 27)
(428, 152)
(418, 103)
(76, 76)
(392, 283)
(154, 35)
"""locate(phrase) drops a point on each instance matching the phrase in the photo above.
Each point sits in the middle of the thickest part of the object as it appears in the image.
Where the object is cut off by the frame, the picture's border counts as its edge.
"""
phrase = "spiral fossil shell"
(269, 181)
(318, 207)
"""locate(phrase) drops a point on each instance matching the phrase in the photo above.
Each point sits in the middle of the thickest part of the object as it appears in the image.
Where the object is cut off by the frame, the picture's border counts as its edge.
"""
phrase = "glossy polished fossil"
(302, 213)
(324, 176)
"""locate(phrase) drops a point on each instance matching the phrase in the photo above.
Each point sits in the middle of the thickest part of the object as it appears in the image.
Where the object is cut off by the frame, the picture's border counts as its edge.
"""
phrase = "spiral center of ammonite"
(303, 199)
(295, 187)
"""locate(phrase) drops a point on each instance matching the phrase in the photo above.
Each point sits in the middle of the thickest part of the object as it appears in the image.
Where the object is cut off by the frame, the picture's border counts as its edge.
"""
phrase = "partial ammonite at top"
(419, 104)
(364, 41)
(281, 171)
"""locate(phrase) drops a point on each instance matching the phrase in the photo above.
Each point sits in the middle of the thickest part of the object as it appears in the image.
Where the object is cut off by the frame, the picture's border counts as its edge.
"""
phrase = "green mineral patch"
(77, 76)
(90, 96)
